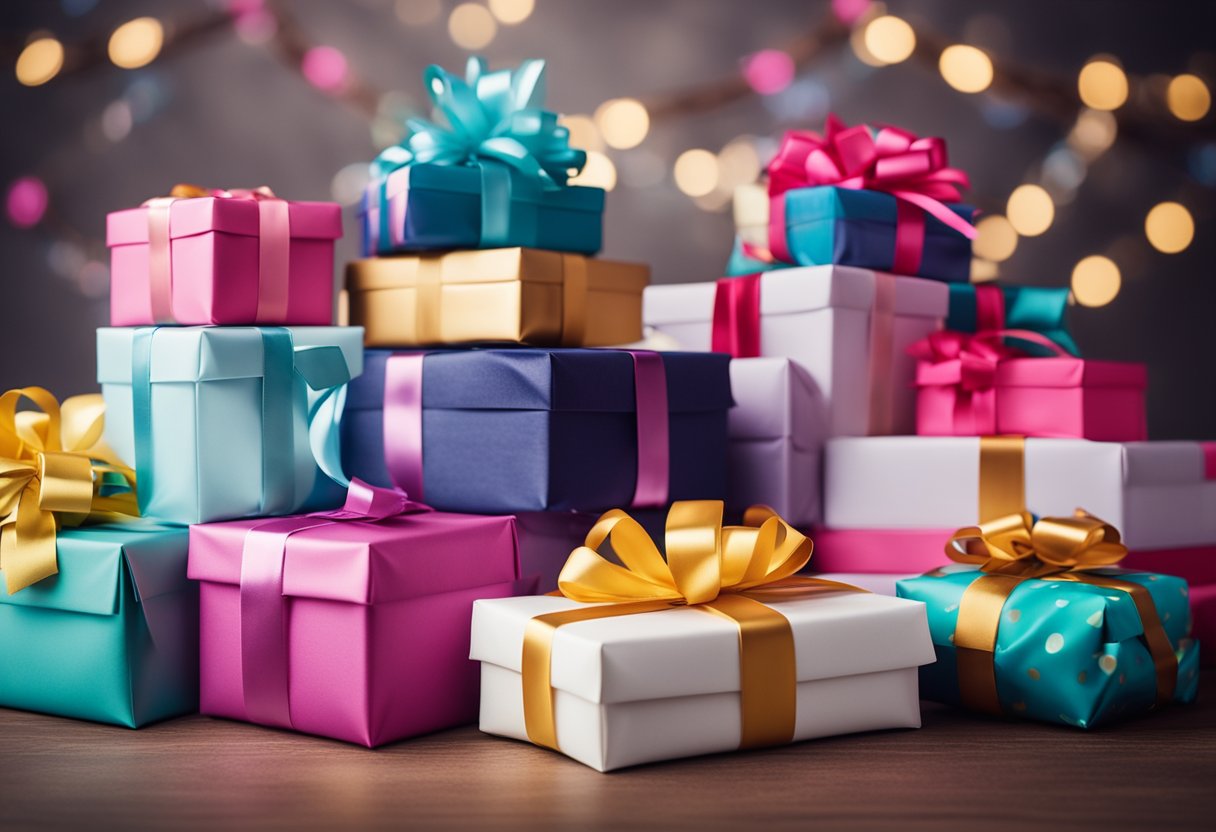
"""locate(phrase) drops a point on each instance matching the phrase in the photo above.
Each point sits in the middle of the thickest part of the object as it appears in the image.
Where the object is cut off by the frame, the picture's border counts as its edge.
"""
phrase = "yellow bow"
(727, 571)
(1019, 545)
(53, 471)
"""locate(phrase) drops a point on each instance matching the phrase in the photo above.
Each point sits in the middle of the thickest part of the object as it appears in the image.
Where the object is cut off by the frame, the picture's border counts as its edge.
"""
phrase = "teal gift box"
(113, 637)
(221, 423)
(1066, 652)
(987, 306)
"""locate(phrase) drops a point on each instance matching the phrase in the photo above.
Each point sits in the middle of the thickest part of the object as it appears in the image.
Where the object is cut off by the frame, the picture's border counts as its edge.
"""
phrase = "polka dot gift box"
(1035, 622)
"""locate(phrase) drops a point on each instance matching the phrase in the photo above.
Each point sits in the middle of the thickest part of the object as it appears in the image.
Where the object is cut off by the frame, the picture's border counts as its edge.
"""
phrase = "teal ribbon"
(1037, 308)
(495, 122)
(141, 412)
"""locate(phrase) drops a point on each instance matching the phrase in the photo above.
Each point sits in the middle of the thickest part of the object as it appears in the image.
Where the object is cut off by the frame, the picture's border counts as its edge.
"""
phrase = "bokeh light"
(472, 26)
(94, 279)
(256, 26)
(512, 12)
(136, 43)
(738, 164)
(349, 183)
(39, 61)
(1030, 210)
(1102, 85)
(696, 172)
(1095, 281)
(599, 172)
(1188, 97)
(623, 122)
(768, 71)
(116, 120)
(849, 12)
(983, 271)
(583, 132)
(889, 39)
(1093, 133)
(965, 68)
(418, 12)
(26, 202)
(325, 68)
(997, 238)
(1169, 227)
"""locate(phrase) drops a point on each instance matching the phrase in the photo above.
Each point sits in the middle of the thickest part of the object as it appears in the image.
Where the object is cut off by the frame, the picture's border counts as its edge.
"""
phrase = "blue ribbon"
(494, 122)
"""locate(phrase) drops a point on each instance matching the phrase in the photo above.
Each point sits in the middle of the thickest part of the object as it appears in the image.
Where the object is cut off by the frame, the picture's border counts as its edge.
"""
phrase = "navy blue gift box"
(511, 430)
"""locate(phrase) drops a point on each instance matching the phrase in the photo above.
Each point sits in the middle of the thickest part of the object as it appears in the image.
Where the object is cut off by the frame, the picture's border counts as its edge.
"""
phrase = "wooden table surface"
(958, 771)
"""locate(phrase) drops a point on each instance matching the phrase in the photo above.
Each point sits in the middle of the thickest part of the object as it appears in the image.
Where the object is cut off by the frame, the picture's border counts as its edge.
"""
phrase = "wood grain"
(958, 771)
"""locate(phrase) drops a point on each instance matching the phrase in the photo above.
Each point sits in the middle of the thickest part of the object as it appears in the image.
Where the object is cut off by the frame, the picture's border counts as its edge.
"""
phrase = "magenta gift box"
(215, 270)
(1054, 397)
(368, 633)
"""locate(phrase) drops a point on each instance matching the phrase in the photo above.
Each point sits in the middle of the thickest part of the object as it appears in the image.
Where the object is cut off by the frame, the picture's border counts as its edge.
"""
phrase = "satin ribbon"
(1014, 548)
(736, 318)
(495, 122)
(969, 363)
(264, 648)
(54, 471)
(728, 571)
(274, 249)
(403, 417)
(914, 170)
(987, 307)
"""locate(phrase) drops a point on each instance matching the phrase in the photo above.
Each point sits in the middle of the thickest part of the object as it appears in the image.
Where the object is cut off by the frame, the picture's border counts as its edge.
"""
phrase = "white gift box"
(1157, 494)
(820, 317)
(776, 438)
(662, 685)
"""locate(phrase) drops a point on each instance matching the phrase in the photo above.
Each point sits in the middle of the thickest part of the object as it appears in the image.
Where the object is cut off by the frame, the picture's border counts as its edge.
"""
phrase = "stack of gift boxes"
(348, 542)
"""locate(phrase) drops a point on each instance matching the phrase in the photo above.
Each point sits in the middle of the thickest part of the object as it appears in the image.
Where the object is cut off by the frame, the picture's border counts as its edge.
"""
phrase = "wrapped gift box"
(113, 637)
(215, 262)
(216, 420)
(1065, 652)
(546, 539)
(776, 439)
(429, 206)
(849, 328)
(542, 298)
(617, 701)
(346, 627)
(985, 307)
(511, 430)
(891, 503)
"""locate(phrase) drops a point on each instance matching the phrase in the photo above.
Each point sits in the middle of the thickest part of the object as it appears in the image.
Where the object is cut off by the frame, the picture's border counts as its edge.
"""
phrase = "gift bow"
(491, 116)
(1020, 545)
(727, 571)
(54, 470)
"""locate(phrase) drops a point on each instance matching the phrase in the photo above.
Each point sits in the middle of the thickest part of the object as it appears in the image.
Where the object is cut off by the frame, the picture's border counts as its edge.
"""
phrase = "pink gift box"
(214, 266)
(355, 630)
(1057, 397)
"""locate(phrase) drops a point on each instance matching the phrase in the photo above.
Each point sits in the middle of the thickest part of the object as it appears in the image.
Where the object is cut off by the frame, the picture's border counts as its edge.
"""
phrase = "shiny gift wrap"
(529, 296)
(986, 307)
(227, 422)
(113, 637)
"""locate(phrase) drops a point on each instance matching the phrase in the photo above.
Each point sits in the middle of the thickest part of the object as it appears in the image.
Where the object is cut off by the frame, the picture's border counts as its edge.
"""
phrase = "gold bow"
(1017, 544)
(727, 571)
(53, 471)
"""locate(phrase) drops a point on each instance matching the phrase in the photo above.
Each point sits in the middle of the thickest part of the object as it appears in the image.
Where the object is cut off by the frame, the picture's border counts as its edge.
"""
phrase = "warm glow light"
(510, 12)
(599, 172)
(137, 42)
(997, 238)
(1030, 210)
(418, 12)
(1095, 281)
(965, 68)
(472, 26)
(738, 164)
(1169, 227)
(1102, 85)
(39, 61)
(583, 133)
(696, 172)
(623, 122)
(889, 39)
(1093, 133)
(983, 271)
(1188, 98)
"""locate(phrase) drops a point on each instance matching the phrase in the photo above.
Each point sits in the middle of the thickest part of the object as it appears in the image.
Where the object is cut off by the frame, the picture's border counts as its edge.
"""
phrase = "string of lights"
(1101, 105)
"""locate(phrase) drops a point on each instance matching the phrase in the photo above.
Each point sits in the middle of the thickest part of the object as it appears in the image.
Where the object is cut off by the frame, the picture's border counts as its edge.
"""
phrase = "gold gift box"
(521, 295)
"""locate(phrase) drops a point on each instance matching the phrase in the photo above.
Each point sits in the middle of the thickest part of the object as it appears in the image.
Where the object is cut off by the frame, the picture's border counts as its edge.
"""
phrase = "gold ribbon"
(726, 571)
(1016, 548)
(1002, 488)
(53, 467)
(574, 300)
(428, 300)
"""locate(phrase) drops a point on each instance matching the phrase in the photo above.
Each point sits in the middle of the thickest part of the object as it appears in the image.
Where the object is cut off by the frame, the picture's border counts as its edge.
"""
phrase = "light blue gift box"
(113, 637)
(221, 423)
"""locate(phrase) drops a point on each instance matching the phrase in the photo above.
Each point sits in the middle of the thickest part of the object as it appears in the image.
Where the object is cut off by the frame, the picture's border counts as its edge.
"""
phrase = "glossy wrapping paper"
(226, 417)
(375, 642)
(514, 430)
(1067, 653)
(987, 306)
(522, 295)
(113, 637)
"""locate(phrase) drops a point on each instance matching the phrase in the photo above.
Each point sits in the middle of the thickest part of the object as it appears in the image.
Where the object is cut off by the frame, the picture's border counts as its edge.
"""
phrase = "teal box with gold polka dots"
(1066, 651)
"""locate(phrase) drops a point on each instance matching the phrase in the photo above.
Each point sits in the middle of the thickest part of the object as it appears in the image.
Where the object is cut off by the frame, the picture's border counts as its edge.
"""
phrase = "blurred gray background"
(215, 108)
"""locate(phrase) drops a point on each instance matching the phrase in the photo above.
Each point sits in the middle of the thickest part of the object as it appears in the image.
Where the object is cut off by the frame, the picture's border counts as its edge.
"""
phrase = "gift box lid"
(360, 562)
(775, 398)
(1045, 372)
(188, 217)
(209, 353)
(466, 179)
(807, 205)
(91, 568)
(495, 265)
(800, 289)
(687, 652)
(586, 380)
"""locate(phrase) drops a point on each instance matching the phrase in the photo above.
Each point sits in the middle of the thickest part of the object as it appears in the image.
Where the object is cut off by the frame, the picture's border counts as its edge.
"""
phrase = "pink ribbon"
(264, 651)
(736, 322)
(274, 250)
(1209, 460)
(989, 307)
(654, 450)
(914, 170)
